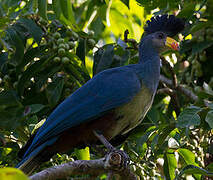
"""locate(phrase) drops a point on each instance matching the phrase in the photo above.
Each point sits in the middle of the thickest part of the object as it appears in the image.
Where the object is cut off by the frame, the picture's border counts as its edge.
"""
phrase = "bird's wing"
(107, 90)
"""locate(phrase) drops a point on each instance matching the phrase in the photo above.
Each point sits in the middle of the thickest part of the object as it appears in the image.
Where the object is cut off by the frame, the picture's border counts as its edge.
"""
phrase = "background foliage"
(48, 49)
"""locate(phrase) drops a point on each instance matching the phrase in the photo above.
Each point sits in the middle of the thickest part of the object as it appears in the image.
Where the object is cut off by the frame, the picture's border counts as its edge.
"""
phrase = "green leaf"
(16, 41)
(9, 98)
(126, 2)
(34, 30)
(66, 8)
(42, 8)
(187, 155)
(200, 46)
(106, 59)
(200, 25)
(82, 154)
(64, 12)
(33, 108)
(170, 164)
(54, 90)
(191, 169)
(210, 167)
(209, 118)
(29, 55)
(187, 10)
(81, 50)
(10, 118)
(189, 158)
(96, 59)
(30, 72)
(12, 174)
(189, 117)
(4, 58)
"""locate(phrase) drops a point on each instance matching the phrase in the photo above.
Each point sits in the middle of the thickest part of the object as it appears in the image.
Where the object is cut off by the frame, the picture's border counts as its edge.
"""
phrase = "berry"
(67, 47)
(60, 41)
(91, 33)
(65, 60)
(6, 78)
(56, 35)
(71, 44)
(91, 43)
(57, 59)
(61, 51)
(61, 46)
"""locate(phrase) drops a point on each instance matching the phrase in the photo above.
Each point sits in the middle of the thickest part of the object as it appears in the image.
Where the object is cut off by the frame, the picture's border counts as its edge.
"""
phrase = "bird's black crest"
(168, 24)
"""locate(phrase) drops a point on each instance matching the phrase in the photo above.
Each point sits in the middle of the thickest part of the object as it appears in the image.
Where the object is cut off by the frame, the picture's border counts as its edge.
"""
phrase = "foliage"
(12, 174)
(48, 50)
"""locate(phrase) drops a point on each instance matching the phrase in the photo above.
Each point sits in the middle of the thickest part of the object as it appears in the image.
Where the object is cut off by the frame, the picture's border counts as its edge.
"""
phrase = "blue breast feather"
(107, 90)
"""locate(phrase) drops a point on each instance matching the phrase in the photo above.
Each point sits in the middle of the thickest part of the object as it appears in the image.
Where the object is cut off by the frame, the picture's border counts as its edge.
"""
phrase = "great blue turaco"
(113, 102)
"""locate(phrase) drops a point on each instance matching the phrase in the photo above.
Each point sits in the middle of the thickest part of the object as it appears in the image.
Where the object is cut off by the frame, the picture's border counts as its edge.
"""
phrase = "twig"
(184, 90)
(180, 88)
(132, 41)
(174, 77)
(174, 96)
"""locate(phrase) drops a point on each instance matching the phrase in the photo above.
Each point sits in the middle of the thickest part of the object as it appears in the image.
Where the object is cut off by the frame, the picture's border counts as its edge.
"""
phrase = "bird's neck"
(149, 67)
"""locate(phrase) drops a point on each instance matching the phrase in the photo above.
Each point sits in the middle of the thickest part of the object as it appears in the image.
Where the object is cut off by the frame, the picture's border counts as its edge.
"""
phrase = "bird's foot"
(117, 159)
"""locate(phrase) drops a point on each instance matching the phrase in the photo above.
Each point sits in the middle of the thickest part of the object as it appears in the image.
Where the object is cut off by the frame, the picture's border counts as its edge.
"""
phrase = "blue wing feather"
(107, 90)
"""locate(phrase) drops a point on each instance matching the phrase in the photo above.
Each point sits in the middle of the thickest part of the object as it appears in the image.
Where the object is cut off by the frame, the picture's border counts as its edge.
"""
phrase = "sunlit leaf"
(83, 154)
(170, 164)
(12, 174)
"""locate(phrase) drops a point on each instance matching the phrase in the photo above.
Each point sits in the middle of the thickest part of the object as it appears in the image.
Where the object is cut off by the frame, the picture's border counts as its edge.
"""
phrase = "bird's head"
(160, 30)
(160, 41)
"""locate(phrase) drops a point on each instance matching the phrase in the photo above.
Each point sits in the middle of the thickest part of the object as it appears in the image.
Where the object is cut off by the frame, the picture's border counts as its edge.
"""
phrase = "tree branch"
(109, 164)
(180, 88)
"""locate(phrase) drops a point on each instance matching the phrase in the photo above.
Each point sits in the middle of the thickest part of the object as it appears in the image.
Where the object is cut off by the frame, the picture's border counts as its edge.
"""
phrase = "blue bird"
(113, 102)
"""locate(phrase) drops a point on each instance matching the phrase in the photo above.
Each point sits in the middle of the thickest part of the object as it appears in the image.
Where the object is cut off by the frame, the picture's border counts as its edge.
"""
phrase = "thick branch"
(84, 167)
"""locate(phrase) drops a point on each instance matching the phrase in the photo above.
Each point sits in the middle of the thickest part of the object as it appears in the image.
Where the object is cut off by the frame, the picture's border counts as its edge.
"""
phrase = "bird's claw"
(117, 159)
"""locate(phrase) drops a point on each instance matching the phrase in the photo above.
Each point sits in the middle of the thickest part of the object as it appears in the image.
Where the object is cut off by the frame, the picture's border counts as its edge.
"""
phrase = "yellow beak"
(172, 43)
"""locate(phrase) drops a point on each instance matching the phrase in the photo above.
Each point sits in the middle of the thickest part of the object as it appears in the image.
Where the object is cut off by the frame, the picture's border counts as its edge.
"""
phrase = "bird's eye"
(160, 35)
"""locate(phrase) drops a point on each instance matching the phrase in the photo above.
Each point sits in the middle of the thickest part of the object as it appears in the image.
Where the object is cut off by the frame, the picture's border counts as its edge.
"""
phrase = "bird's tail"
(29, 165)
(32, 160)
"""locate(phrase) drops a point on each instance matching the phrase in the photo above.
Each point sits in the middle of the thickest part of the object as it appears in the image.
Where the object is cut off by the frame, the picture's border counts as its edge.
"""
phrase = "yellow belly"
(132, 113)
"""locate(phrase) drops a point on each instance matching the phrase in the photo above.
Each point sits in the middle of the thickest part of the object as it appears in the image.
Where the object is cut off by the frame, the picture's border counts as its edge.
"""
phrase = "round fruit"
(91, 43)
(91, 33)
(55, 47)
(67, 92)
(56, 35)
(6, 78)
(61, 51)
(60, 41)
(62, 45)
(67, 47)
(75, 36)
(43, 22)
(57, 59)
(65, 60)
(71, 44)
(15, 84)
